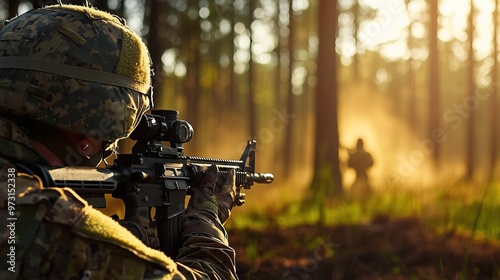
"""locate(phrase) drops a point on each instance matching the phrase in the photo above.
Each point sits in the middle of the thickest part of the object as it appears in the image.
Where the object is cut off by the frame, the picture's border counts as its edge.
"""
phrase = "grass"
(339, 211)
(462, 208)
(476, 213)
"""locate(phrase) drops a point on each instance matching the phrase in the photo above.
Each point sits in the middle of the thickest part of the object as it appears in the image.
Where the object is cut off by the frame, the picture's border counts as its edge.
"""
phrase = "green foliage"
(251, 247)
(476, 216)
(474, 212)
(254, 219)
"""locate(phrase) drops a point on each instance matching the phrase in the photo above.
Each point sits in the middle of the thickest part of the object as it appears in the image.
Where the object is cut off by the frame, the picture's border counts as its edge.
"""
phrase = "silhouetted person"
(360, 160)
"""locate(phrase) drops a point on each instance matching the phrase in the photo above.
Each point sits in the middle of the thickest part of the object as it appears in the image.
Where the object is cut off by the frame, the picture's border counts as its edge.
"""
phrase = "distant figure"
(360, 160)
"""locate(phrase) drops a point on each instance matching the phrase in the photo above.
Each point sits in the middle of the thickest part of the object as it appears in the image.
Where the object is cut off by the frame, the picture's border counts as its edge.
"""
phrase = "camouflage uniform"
(57, 235)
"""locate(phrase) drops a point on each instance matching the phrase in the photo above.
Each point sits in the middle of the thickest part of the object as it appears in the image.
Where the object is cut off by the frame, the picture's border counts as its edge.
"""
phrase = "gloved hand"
(213, 198)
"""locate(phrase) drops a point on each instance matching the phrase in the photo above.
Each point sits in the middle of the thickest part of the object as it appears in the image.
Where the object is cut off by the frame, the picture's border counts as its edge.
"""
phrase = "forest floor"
(384, 248)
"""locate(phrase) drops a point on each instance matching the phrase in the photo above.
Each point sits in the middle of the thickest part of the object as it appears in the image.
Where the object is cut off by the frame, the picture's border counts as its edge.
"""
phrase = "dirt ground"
(382, 249)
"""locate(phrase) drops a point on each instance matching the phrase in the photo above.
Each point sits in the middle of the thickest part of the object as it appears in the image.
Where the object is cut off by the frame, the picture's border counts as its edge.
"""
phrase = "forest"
(378, 119)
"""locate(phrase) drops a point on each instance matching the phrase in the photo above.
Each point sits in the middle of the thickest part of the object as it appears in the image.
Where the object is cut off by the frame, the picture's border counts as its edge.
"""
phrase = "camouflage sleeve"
(204, 240)
(205, 248)
(58, 236)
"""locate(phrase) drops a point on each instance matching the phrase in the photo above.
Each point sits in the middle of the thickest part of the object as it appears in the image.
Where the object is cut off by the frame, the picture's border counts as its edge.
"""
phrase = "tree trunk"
(191, 83)
(327, 180)
(13, 6)
(355, 58)
(494, 98)
(290, 96)
(412, 112)
(154, 45)
(470, 78)
(434, 84)
(232, 75)
(99, 4)
(38, 4)
(252, 116)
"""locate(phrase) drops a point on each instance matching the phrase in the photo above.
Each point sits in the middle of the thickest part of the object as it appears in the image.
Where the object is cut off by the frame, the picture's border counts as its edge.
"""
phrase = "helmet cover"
(75, 68)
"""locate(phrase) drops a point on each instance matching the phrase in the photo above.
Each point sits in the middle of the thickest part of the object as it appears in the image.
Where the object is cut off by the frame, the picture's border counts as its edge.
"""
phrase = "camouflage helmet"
(75, 68)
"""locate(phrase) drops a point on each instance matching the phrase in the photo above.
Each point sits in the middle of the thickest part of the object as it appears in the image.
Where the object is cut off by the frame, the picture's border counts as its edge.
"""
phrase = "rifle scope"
(163, 125)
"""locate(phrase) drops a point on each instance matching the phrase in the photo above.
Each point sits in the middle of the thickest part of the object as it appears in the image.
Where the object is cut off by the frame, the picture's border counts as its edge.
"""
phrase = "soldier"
(360, 160)
(73, 81)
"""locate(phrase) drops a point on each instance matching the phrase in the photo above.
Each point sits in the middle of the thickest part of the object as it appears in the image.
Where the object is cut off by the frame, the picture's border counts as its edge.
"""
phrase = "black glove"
(214, 198)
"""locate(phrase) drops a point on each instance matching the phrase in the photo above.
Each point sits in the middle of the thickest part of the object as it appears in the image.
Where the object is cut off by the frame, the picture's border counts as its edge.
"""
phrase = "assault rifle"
(154, 175)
